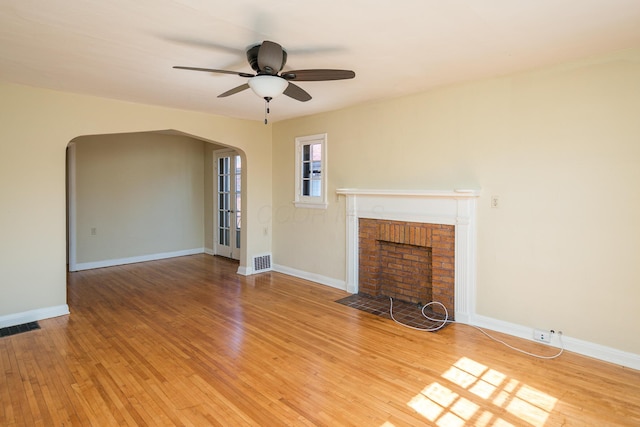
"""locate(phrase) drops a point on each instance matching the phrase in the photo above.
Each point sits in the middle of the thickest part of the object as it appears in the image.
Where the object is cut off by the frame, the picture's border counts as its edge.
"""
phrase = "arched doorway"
(140, 196)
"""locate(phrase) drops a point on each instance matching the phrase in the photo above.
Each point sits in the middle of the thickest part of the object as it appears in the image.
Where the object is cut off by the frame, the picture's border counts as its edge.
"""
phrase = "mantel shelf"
(456, 193)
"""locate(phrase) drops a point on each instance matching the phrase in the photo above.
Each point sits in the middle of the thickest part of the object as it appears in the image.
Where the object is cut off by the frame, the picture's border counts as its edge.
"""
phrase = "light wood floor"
(187, 341)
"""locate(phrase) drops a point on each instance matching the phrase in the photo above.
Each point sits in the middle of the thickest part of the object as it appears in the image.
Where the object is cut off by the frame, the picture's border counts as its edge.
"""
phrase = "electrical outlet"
(540, 335)
(495, 202)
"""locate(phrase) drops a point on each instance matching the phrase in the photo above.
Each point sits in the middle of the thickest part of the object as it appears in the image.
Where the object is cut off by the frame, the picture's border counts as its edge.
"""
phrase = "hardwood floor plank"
(189, 342)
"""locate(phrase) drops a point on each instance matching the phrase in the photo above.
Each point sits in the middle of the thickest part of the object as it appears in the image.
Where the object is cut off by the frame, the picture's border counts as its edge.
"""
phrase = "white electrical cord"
(446, 320)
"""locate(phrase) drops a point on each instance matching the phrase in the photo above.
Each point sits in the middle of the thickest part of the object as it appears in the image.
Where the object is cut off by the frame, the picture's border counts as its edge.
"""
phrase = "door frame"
(234, 248)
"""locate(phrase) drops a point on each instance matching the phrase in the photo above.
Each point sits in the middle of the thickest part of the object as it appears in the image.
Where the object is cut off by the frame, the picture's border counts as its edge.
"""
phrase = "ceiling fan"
(267, 60)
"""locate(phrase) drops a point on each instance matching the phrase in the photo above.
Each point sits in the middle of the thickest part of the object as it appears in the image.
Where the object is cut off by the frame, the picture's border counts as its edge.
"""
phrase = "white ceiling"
(125, 49)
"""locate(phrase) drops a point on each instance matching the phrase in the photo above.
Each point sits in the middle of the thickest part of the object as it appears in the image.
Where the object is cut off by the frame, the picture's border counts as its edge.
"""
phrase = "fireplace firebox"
(409, 261)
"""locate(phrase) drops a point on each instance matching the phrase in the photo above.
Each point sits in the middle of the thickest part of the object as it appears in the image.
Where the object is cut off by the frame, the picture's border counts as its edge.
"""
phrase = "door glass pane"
(238, 198)
(223, 167)
(223, 200)
(238, 166)
(238, 221)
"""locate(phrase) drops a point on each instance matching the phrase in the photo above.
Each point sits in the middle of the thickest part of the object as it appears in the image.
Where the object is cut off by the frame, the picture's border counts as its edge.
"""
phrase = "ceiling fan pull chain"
(266, 108)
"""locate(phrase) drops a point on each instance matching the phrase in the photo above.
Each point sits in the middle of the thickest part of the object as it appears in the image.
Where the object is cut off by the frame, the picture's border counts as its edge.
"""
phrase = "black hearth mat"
(407, 313)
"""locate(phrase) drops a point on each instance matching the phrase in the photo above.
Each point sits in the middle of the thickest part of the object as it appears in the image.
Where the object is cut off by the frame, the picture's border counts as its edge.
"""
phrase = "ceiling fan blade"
(318, 75)
(234, 90)
(211, 70)
(270, 57)
(297, 93)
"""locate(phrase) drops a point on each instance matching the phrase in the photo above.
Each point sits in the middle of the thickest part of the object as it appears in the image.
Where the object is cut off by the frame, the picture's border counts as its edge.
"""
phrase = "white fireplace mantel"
(452, 207)
(458, 192)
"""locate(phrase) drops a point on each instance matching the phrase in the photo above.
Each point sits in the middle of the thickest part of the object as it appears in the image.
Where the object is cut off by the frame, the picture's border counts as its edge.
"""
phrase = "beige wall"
(36, 126)
(560, 146)
(143, 193)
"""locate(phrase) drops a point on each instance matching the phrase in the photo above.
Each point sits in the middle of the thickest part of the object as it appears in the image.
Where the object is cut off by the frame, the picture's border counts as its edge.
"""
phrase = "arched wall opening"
(39, 125)
(140, 196)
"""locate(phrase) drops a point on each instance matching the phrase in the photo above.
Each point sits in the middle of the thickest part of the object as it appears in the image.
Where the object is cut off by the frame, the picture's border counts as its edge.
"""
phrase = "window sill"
(311, 205)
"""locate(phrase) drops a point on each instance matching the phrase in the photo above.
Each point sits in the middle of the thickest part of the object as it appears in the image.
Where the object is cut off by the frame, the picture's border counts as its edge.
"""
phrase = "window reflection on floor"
(469, 387)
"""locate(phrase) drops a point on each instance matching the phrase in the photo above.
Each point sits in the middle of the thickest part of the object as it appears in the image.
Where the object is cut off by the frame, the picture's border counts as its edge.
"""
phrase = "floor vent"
(17, 329)
(262, 263)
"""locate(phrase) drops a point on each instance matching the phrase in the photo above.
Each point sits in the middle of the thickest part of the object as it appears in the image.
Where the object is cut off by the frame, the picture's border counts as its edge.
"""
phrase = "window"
(311, 171)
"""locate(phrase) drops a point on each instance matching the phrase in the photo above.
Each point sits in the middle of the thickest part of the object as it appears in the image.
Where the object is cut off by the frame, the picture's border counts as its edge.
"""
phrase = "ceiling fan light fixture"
(267, 86)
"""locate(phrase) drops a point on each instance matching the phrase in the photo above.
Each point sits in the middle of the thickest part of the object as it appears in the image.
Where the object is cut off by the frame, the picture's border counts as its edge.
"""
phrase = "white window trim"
(307, 201)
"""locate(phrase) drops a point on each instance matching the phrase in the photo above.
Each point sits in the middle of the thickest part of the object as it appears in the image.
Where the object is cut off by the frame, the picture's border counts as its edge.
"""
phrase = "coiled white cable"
(446, 320)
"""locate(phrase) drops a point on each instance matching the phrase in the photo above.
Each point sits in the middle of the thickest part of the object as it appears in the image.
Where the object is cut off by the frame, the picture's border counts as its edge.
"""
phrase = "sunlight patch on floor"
(469, 387)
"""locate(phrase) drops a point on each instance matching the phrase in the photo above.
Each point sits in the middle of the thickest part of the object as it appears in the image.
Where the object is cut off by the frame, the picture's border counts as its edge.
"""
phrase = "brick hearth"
(410, 261)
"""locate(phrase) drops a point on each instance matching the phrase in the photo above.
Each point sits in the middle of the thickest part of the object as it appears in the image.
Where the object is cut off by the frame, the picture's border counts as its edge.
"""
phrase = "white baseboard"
(243, 270)
(209, 251)
(585, 348)
(33, 315)
(312, 277)
(133, 260)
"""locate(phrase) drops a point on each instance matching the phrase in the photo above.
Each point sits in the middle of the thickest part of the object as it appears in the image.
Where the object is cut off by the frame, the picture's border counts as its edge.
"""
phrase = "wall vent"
(261, 263)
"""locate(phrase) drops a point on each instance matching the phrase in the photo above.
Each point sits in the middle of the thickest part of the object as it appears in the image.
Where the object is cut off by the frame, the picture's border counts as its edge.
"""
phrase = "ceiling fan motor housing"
(252, 58)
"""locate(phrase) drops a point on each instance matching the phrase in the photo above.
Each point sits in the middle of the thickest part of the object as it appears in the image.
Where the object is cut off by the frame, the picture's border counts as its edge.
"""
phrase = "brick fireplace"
(409, 261)
(429, 236)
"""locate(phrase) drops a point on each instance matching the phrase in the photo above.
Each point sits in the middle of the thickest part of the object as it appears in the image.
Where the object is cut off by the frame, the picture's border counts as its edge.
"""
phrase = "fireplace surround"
(455, 209)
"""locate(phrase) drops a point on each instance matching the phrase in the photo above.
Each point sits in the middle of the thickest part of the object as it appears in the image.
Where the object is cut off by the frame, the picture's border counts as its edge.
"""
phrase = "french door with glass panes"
(228, 202)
